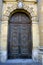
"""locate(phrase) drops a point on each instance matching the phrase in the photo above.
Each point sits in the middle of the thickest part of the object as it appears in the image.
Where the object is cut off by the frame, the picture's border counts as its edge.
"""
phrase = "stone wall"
(40, 17)
(37, 27)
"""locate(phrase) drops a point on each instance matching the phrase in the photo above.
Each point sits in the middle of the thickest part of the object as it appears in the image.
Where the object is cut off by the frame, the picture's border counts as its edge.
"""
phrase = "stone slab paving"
(20, 62)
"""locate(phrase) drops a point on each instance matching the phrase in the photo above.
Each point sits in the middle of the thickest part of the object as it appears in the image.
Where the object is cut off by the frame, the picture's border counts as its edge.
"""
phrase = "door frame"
(28, 15)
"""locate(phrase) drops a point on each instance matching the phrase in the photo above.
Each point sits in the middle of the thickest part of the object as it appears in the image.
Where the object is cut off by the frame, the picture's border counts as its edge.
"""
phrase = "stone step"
(21, 62)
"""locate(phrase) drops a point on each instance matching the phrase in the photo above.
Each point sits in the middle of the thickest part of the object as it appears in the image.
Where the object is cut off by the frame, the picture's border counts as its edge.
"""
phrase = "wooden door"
(19, 37)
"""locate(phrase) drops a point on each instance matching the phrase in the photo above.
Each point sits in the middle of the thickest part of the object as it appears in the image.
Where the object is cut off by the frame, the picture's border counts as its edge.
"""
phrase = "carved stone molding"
(13, 7)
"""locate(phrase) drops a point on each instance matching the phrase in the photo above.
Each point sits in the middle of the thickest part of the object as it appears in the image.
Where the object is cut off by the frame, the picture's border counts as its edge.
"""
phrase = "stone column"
(4, 30)
(35, 34)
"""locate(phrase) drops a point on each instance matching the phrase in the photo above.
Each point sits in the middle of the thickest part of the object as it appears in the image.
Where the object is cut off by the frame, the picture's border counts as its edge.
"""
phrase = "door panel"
(13, 39)
(25, 30)
(19, 37)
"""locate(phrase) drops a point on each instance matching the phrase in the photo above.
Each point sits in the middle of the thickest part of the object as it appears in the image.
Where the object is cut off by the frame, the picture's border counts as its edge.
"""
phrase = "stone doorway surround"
(4, 30)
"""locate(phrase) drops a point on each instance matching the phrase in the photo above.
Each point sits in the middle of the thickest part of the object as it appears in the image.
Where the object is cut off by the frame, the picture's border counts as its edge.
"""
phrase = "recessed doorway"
(19, 36)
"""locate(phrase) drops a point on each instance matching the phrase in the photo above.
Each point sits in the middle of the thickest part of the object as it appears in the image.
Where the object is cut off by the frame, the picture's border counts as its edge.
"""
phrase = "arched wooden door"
(19, 36)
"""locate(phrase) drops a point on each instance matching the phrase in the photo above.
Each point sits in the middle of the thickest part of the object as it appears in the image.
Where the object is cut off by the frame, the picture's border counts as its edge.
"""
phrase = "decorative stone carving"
(5, 16)
(34, 18)
(20, 4)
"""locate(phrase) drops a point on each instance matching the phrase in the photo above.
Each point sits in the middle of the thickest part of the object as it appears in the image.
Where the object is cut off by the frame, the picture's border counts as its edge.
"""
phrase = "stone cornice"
(23, 0)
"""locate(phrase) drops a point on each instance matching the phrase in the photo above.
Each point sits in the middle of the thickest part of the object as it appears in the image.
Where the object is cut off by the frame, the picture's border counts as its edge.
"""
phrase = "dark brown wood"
(19, 37)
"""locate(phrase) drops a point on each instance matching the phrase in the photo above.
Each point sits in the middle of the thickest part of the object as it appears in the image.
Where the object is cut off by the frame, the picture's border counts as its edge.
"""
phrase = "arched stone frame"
(28, 15)
(5, 17)
(12, 8)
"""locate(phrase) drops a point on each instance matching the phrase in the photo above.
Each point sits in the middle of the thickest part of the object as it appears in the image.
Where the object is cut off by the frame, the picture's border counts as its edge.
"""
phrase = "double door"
(19, 41)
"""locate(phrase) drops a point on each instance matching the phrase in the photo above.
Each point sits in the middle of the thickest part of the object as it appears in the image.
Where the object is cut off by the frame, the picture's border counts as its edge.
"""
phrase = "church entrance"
(19, 36)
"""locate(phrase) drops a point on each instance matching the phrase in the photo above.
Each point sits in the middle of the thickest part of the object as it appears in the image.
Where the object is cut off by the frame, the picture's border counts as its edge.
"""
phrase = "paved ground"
(20, 62)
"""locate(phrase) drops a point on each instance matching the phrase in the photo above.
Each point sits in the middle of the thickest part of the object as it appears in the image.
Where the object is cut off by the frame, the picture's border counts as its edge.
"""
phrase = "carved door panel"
(13, 41)
(19, 38)
(25, 41)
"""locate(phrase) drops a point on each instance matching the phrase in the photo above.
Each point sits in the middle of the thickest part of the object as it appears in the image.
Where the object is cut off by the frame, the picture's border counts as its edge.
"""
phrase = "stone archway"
(20, 43)
(5, 18)
(13, 7)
